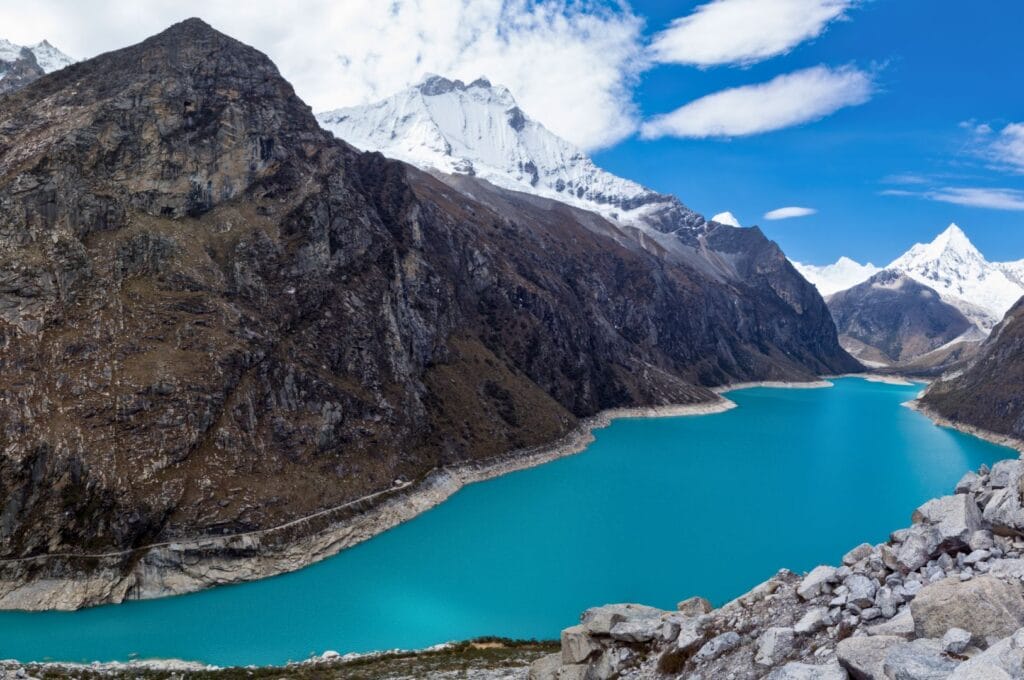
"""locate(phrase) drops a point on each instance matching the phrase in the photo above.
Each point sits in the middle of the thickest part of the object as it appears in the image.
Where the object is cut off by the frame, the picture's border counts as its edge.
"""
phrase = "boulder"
(717, 646)
(814, 583)
(694, 606)
(1002, 661)
(1004, 511)
(636, 630)
(919, 544)
(861, 552)
(774, 645)
(955, 640)
(576, 671)
(918, 660)
(807, 671)
(982, 540)
(987, 607)
(601, 620)
(811, 622)
(1005, 473)
(956, 518)
(864, 657)
(577, 645)
(902, 624)
(969, 483)
(546, 667)
(862, 590)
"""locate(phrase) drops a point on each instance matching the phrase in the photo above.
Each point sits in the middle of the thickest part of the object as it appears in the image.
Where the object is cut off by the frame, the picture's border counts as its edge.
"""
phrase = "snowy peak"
(957, 270)
(49, 58)
(842, 274)
(478, 129)
(45, 55)
(726, 218)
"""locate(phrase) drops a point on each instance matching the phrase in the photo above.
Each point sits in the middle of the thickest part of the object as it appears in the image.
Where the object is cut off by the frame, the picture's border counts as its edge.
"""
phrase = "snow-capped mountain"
(478, 129)
(950, 265)
(20, 65)
(49, 58)
(984, 291)
(844, 273)
(726, 218)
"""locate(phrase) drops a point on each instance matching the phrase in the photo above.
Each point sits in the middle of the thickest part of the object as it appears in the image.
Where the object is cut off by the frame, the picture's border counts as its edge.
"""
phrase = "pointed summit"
(478, 129)
(726, 218)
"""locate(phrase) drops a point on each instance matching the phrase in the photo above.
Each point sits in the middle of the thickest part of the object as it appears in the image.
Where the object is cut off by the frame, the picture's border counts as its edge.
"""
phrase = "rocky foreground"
(941, 599)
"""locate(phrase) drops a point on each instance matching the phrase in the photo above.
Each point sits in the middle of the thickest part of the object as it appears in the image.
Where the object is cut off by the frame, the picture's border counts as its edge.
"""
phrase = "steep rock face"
(893, 319)
(215, 317)
(988, 394)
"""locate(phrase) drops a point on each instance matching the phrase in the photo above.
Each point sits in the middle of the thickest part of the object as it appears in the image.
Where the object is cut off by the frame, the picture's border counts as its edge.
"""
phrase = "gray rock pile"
(941, 599)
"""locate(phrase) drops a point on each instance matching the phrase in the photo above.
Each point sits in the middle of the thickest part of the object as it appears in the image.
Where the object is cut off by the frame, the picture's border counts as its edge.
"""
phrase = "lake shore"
(185, 566)
(987, 435)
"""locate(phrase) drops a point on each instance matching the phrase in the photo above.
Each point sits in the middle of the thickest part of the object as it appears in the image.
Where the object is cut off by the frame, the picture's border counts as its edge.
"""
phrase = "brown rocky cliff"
(217, 318)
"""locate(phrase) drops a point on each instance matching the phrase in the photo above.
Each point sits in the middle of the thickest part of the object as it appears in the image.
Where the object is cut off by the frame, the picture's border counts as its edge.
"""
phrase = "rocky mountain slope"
(893, 319)
(989, 393)
(217, 319)
(19, 65)
(942, 599)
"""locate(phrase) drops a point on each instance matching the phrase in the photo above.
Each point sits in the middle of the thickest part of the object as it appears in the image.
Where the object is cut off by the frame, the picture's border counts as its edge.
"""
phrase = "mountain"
(21, 65)
(479, 130)
(726, 218)
(987, 393)
(891, 318)
(218, 319)
(951, 265)
(844, 273)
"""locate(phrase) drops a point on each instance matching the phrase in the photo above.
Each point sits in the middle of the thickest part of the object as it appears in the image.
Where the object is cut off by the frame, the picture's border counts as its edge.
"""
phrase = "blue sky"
(923, 89)
(936, 64)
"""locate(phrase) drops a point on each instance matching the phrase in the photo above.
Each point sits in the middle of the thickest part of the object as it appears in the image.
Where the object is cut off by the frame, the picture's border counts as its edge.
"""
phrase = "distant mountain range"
(950, 264)
(20, 65)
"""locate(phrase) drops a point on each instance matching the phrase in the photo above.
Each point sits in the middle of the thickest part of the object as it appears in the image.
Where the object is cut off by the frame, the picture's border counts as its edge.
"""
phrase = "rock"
(987, 607)
(601, 620)
(870, 614)
(694, 606)
(1005, 473)
(578, 671)
(811, 622)
(918, 660)
(774, 645)
(902, 624)
(981, 540)
(919, 544)
(1004, 511)
(717, 646)
(887, 601)
(815, 582)
(1004, 660)
(956, 518)
(546, 667)
(636, 630)
(806, 671)
(861, 552)
(864, 657)
(970, 482)
(862, 590)
(955, 640)
(977, 556)
(577, 645)
(690, 637)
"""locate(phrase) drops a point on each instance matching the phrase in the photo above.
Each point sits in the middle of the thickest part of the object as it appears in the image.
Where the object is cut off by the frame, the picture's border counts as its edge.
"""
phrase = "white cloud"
(744, 31)
(570, 63)
(1008, 147)
(974, 197)
(787, 100)
(789, 212)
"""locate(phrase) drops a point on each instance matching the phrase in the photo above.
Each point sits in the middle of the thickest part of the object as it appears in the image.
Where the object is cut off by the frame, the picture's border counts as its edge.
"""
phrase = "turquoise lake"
(654, 511)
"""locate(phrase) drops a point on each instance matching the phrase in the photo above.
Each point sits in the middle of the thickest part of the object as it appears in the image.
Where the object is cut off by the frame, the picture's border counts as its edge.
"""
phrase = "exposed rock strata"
(217, 319)
(942, 599)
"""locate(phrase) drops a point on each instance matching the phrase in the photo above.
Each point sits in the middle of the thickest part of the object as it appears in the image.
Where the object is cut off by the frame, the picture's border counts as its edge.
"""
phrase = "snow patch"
(842, 274)
(727, 218)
